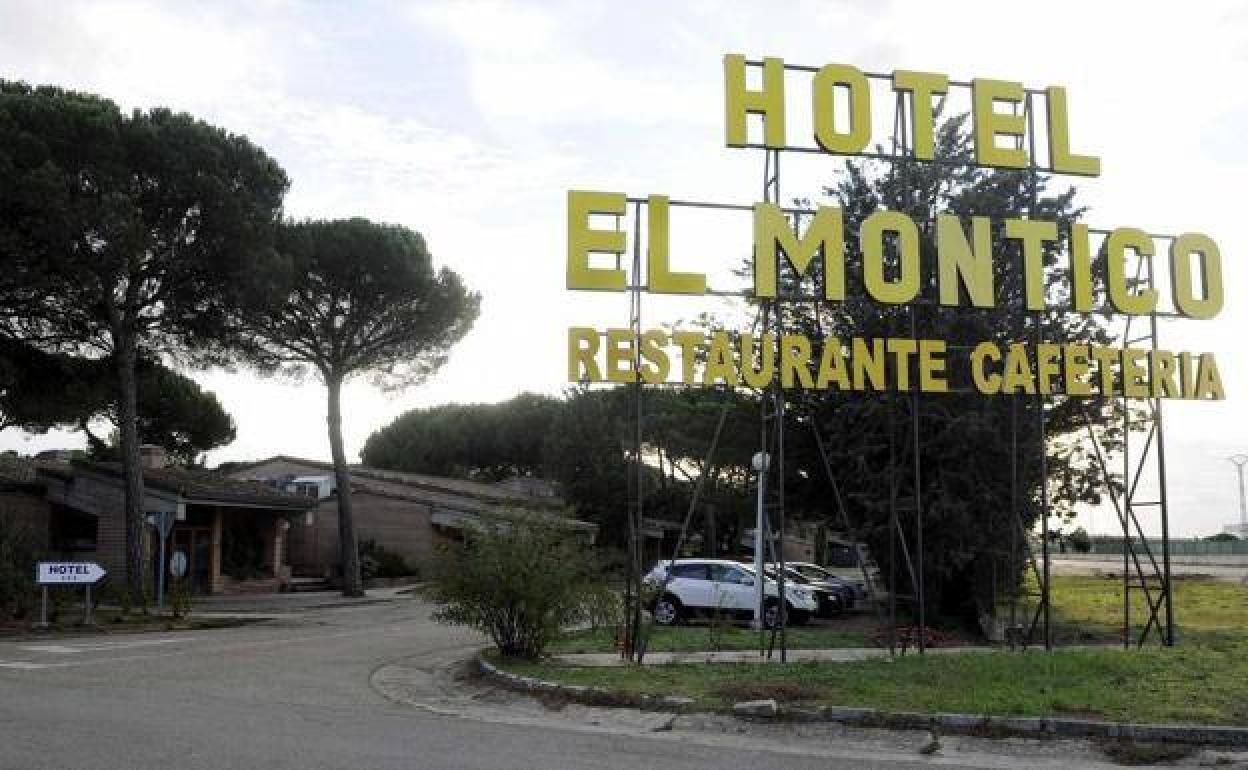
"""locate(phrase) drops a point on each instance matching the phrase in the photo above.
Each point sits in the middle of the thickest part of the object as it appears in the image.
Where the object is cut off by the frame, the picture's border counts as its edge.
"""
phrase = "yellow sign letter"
(583, 240)
(824, 108)
(740, 101)
(989, 124)
(772, 234)
(906, 287)
(1181, 250)
(659, 275)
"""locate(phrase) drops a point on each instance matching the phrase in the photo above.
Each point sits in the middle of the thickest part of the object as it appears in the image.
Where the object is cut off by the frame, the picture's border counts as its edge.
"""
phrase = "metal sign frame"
(95, 573)
(1143, 454)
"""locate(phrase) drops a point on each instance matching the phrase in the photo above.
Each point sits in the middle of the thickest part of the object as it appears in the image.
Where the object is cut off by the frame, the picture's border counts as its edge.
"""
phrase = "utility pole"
(761, 462)
(1239, 461)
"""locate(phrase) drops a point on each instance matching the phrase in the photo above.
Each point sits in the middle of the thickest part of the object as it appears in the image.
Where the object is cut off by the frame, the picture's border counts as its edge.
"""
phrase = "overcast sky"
(469, 122)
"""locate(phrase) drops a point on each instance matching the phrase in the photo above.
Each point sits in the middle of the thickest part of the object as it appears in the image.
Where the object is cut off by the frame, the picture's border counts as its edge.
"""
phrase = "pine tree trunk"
(125, 354)
(348, 546)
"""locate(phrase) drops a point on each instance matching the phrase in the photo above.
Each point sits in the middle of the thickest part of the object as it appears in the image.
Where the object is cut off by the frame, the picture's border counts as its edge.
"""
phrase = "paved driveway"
(368, 687)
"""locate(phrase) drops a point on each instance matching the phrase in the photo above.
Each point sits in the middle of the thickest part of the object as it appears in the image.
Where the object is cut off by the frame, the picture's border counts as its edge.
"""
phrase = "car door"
(734, 588)
(691, 584)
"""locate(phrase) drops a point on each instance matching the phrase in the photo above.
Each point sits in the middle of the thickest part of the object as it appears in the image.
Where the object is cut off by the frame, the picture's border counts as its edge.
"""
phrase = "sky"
(470, 121)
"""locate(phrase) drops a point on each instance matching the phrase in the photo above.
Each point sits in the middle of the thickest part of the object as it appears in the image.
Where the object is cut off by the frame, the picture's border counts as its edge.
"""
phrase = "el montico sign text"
(1097, 269)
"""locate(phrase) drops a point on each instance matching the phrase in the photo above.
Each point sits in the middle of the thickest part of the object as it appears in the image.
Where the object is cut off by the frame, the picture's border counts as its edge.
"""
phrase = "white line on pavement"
(72, 649)
(22, 665)
(207, 646)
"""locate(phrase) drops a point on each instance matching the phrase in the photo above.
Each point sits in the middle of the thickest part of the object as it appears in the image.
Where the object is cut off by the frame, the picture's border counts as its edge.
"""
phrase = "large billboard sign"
(1097, 272)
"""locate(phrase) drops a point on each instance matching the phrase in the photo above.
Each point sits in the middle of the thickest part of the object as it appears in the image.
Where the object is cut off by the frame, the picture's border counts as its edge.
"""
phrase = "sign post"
(71, 573)
(163, 522)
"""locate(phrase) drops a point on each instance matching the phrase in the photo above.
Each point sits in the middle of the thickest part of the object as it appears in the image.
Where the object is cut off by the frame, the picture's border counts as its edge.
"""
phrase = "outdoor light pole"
(1239, 461)
(760, 462)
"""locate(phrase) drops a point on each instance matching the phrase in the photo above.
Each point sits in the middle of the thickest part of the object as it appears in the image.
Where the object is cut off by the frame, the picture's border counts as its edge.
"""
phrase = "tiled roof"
(489, 493)
(474, 497)
(204, 486)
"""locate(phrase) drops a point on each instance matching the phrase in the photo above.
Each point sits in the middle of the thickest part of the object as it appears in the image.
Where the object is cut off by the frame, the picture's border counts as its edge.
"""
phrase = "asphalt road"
(317, 689)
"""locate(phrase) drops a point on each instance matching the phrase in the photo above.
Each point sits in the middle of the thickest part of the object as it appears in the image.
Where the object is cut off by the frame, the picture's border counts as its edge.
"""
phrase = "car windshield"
(749, 570)
(811, 572)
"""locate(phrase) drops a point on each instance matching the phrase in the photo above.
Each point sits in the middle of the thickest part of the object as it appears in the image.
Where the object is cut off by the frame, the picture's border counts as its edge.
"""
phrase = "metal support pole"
(1045, 592)
(772, 402)
(1014, 568)
(782, 598)
(86, 610)
(761, 461)
(894, 528)
(1163, 496)
(918, 496)
(160, 579)
(636, 507)
(1126, 527)
(43, 613)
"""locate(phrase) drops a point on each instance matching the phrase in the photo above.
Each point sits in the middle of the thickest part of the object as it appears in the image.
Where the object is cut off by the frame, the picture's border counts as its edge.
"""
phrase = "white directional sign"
(76, 572)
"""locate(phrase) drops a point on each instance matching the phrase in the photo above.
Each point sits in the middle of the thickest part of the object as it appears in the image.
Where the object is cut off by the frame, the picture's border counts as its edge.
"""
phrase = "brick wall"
(107, 503)
(103, 498)
(401, 526)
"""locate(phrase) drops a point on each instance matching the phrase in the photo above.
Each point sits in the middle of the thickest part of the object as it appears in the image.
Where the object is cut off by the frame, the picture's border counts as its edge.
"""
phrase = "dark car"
(821, 575)
(832, 599)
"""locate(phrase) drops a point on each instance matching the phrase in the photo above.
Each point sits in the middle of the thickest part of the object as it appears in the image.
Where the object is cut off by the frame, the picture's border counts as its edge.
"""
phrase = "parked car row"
(689, 588)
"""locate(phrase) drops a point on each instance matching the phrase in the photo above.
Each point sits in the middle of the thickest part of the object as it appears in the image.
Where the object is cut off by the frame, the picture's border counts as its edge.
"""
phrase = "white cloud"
(469, 120)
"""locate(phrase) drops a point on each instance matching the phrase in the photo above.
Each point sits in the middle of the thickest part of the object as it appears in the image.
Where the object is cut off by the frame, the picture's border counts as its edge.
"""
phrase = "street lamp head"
(761, 462)
(1240, 460)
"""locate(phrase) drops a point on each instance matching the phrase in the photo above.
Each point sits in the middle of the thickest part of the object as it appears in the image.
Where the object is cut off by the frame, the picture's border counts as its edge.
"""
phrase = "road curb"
(590, 696)
(968, 724)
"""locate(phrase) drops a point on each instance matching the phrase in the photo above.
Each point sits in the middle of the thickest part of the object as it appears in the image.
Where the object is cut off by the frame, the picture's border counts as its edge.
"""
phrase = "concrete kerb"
(967, 724)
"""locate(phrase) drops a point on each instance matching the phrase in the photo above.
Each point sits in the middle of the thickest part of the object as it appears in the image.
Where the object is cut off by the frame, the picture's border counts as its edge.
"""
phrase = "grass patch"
(1186, 684)
(1205, 610)
(702, 637)
(787, 692)
(1203, 680)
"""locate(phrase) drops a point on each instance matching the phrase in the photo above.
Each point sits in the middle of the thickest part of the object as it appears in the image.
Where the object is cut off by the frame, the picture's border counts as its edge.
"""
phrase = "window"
(689, 571)
(722, 573)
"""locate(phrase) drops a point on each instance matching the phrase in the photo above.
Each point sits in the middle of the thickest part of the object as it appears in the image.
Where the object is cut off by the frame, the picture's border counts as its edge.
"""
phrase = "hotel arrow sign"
(68, 572)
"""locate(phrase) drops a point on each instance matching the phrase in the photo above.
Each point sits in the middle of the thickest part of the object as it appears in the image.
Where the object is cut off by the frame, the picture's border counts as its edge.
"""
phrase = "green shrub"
(180, 599)
(602, 607)
(520, 585)
(1079, 540)
(377, 562)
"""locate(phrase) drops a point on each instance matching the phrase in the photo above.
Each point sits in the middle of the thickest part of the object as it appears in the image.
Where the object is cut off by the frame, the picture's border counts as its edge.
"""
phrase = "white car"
(689, 587)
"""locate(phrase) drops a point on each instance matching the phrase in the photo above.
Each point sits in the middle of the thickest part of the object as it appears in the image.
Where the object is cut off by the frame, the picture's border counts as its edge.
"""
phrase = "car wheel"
(798, 617)
(667, 610)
